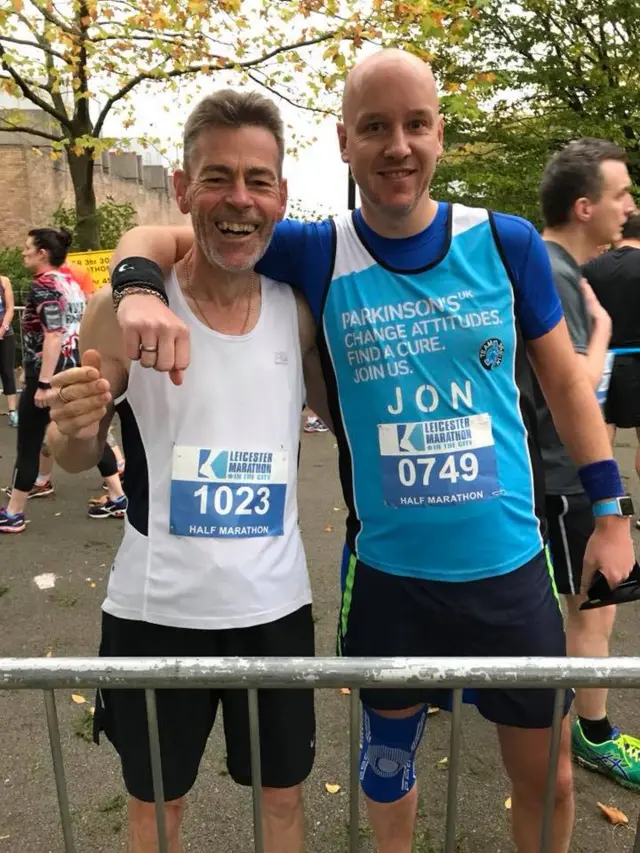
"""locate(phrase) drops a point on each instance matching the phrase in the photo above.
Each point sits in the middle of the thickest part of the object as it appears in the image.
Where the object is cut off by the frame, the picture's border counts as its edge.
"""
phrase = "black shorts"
(570, 524)
(513, 614)
(185, 717)
(622, 407)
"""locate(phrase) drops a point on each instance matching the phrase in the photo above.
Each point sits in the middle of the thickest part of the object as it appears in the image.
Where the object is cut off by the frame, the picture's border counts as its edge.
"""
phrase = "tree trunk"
(87, 227)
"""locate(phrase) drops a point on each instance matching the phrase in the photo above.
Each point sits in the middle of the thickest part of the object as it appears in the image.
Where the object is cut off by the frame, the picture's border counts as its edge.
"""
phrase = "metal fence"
(150, 674)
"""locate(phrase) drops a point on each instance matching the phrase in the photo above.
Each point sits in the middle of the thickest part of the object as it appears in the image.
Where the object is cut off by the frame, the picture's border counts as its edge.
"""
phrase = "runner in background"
(50, 325)
(615, 279)
(585, 199)
(8, 349)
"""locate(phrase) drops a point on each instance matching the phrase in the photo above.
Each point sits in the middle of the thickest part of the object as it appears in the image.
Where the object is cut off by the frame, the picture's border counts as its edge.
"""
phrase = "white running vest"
(211, 536)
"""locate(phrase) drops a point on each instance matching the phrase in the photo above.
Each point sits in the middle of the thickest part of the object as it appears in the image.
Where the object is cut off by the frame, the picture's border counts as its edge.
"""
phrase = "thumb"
(91, 358)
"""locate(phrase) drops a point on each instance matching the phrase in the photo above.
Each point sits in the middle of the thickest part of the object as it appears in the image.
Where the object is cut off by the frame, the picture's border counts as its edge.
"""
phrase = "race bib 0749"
(225, 493)
(436, 462)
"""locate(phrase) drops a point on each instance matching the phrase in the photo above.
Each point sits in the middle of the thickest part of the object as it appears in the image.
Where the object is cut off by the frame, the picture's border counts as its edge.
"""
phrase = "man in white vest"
(212, 562)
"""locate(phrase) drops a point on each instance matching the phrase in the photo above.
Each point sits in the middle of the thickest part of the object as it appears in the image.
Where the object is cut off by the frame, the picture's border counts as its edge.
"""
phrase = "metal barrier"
(49, 674)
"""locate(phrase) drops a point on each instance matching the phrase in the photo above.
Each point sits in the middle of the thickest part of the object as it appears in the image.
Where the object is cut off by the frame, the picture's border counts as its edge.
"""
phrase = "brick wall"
(32, 187)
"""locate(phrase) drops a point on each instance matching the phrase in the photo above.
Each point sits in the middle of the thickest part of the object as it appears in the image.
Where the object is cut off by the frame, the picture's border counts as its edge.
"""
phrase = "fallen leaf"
(328, 528)
(507, 803)
(432, 709)
(92, 710)
(345, 691)
(92, 585)
(443, 764)
(78, 699)
(330, 788)
(613, 815)
(49, 652)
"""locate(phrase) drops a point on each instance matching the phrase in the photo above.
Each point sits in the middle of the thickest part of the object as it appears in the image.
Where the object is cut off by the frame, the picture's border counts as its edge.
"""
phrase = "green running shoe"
(618, 758)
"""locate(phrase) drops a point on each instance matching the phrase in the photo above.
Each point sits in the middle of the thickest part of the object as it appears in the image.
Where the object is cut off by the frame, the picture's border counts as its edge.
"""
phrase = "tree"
(558, 70)
(114, 220)
(80, 60)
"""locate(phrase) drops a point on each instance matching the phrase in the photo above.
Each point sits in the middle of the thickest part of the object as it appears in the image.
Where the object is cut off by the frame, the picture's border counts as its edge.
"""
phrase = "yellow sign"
(93, 266)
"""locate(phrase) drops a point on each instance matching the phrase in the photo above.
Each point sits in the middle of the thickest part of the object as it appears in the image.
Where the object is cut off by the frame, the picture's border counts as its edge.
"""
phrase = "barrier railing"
(150, 674)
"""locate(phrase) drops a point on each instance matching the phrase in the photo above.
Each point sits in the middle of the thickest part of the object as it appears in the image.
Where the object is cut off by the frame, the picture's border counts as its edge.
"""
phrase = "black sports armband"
(140, 273)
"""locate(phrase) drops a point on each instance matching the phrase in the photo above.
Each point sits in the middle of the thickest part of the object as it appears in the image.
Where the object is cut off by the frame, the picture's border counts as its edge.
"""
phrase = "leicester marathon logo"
(227, 465)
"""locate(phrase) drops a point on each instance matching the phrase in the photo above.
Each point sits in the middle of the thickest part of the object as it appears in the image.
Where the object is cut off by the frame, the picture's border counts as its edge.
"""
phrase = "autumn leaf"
(345, 691)
(443, 764)
(331, 788)
(507, 803)
(78, 699)
(328, 528)
(613, 815)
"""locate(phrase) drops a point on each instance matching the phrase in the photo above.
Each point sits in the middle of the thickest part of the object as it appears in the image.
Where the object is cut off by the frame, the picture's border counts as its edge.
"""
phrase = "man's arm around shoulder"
(81, 399)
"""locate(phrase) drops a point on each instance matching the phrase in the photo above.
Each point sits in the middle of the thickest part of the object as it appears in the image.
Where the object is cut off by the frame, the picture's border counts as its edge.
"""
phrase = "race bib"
(220, 493)
(438, 462)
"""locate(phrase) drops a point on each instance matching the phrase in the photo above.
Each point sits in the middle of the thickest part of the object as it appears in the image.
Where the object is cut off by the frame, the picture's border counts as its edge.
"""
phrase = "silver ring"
(145, 348)
(61, 396)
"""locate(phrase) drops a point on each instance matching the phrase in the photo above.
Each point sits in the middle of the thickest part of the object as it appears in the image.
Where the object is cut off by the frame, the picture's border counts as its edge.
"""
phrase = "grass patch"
(64, 599)
(83, 726)
(113, 804)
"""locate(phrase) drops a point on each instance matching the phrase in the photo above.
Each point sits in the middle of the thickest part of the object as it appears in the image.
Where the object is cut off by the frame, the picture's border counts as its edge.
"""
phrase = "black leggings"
(32, 426)
(7, 364)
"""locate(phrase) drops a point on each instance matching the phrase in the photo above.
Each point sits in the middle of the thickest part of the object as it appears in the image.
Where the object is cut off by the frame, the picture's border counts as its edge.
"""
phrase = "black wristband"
(44, 386)
(140, 272)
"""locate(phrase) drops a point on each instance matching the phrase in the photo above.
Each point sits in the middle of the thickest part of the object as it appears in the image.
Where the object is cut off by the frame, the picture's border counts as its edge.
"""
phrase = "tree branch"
(57, 22)
(30, 95)
(195, 69)
(293, 103)
(16, 128)
(36, 44)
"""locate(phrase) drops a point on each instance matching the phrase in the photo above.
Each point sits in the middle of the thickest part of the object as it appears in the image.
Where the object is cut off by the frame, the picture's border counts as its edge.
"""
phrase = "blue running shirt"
(422, 342)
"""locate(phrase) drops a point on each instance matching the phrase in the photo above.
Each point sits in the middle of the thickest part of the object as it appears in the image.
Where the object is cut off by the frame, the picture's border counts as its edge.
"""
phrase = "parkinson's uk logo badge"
(491, 353)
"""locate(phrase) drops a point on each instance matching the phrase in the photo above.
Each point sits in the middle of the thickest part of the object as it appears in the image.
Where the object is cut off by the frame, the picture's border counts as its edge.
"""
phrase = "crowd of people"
(454, 353)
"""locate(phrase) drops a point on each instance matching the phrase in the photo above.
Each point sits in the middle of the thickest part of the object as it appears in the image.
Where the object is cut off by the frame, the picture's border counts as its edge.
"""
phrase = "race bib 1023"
(437, 462)
(223, 493)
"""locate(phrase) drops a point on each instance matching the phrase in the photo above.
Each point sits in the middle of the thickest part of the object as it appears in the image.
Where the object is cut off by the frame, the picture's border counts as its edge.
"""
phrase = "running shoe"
(10, 523)
(38, 491)
(315, 425)
(13, 419)
(618, 758)
(108, 509)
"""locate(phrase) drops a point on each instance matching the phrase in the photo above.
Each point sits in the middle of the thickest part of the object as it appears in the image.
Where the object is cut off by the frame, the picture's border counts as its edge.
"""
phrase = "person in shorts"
(212, 561)
(615, 279)
(585, 199)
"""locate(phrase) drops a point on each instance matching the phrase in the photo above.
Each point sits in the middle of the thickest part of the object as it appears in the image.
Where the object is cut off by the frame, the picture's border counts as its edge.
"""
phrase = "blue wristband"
(601, 480)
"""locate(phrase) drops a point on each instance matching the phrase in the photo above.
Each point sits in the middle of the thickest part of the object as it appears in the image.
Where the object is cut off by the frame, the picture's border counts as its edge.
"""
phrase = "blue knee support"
(389, 746)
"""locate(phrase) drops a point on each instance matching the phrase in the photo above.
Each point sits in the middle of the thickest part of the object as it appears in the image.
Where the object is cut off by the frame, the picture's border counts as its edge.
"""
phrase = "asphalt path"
(64, 621)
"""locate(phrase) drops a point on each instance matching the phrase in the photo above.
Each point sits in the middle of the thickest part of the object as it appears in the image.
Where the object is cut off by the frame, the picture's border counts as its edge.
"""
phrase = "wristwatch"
(44, 385)
(614, 506)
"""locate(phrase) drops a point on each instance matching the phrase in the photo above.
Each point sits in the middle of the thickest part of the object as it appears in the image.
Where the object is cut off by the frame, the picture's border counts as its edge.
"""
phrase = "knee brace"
(389, 746)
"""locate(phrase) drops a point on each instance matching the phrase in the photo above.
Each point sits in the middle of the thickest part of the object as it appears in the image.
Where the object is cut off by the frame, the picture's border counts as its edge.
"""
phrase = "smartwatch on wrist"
(44, 385)
(614, 506)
